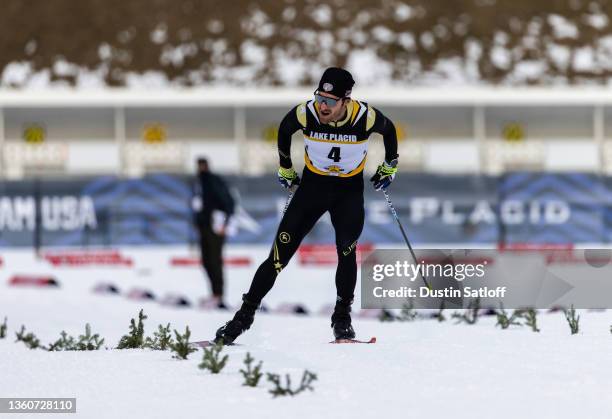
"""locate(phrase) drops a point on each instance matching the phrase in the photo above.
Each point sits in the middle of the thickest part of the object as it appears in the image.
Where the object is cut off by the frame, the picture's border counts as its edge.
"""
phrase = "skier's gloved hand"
(288, 177)
(384, 175)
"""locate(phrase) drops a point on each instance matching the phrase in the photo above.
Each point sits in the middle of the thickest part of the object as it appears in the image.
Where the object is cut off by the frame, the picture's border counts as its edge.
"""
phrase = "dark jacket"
(214, 195)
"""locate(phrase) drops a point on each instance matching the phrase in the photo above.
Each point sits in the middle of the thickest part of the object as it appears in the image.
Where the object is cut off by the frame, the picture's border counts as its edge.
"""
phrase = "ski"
(337, 341)
(208, 343)
(202, 343)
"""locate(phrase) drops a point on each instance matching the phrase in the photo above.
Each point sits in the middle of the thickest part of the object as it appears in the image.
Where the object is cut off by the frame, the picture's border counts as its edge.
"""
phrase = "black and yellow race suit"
(332, 180)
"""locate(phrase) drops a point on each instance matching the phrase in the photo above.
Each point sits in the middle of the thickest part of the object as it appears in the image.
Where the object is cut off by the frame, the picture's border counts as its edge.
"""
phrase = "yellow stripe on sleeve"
(371, 118)
(301, 114)
(356, 107)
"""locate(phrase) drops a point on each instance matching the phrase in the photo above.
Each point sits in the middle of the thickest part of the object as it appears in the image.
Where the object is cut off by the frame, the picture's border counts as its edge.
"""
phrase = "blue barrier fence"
(156, 209)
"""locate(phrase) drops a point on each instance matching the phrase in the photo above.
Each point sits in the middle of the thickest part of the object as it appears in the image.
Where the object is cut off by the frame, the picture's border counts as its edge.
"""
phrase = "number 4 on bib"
(334, 154)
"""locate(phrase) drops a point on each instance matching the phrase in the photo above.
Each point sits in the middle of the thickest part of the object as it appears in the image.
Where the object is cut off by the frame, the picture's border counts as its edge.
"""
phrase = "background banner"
(516, 208)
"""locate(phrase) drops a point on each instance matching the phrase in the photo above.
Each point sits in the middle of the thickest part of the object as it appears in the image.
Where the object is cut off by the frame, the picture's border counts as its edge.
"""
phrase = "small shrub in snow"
(181, 346)
(251, 375)
(3, 329)
(89, 342)
(212, 360)
(407, 314)
(504, 321)
(386, 316)
(572, 320)
(285, 389)
(85, 342)
(161, 339)
(440, 314)
(64, 343)
(470, 314)
(135, 338)
(30, 340)
(531, 320)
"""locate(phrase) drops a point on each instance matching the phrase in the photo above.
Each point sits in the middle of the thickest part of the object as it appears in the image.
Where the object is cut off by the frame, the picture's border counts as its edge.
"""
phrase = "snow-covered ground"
(421, 369)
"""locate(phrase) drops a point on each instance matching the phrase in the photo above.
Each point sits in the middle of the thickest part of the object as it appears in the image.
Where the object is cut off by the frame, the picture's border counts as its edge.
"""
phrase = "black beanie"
(336, 81)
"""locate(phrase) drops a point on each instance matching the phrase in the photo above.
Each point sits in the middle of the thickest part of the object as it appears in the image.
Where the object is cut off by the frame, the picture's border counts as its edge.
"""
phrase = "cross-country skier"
(336, 129)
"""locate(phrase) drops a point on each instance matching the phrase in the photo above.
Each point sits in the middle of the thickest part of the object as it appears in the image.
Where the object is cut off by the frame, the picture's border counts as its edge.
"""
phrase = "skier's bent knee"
(346, 249)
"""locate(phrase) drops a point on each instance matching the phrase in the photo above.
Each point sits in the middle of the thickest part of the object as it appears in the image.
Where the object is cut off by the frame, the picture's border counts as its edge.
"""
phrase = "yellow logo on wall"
(34, 134)
(270, 133)
(154, 133)
(401, 131)
(513, 131)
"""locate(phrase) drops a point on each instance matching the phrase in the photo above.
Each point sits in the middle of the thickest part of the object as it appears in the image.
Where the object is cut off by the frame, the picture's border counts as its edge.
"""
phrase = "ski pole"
(399, 223)
(289, 198)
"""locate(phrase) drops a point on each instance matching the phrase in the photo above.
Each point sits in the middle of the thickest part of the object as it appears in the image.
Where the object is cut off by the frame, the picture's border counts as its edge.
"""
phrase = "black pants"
(211, 247)
(343, 198)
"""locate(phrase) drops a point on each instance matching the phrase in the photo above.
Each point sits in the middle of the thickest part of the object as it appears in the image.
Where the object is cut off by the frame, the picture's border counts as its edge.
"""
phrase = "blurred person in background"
(213, 207)
(336, 129)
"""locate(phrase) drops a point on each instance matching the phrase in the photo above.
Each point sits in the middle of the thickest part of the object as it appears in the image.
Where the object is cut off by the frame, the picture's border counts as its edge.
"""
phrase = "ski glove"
(384, 175)
(288, 177)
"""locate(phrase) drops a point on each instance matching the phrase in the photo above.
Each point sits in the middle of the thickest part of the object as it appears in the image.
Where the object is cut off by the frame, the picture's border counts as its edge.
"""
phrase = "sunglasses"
(327, 100)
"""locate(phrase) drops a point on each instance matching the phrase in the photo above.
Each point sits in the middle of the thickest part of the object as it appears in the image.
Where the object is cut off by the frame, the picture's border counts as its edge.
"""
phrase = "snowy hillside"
(288, 43)
(422, 369)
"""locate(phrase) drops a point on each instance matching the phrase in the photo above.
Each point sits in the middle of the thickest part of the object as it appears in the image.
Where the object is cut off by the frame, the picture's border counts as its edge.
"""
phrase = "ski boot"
(341, 320)
(241, 322)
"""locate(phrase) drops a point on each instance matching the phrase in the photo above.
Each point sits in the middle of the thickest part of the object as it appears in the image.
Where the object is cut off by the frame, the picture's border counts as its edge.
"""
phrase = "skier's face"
(202, 167)
(329, 111)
